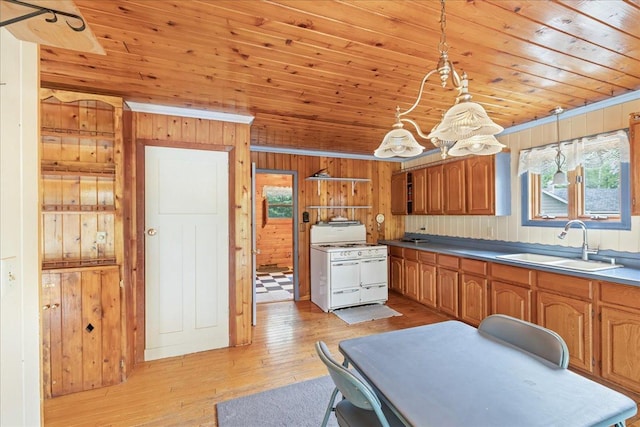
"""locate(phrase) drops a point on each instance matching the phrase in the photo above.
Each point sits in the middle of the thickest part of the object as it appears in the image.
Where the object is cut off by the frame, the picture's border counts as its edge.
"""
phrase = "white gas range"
(345, 269)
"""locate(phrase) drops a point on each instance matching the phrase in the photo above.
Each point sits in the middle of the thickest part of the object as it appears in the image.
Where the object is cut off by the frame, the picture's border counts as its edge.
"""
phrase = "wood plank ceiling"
(327, 75)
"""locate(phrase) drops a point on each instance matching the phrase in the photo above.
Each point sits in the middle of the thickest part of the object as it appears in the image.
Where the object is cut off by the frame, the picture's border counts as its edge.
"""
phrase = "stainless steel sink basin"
(532, 258)
(559, 262)
(411, 240)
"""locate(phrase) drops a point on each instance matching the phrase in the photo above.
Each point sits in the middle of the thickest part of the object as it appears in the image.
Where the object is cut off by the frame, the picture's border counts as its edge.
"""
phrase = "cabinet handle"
(56, 305)
(46, 307)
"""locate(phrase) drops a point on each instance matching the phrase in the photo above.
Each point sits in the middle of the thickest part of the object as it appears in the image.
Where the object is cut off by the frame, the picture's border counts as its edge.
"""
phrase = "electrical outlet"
(101, 237)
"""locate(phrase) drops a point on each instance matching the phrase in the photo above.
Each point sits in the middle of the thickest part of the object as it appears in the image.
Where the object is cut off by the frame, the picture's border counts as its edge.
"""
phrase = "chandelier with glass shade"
(464, 129)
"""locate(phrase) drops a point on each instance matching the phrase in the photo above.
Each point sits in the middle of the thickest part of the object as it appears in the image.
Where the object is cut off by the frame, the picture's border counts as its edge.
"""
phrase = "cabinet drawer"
(448, 261)
(511, 274)
(427, 257)
(568, 285)
(614, 293)
(473, 266)
(411, 254)
(395, 251)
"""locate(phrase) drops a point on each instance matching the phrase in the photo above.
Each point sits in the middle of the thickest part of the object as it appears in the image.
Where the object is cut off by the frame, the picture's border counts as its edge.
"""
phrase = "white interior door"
(186, 252)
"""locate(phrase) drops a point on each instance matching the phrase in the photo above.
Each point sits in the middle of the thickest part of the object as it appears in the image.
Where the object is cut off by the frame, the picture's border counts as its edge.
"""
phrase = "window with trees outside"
(586, 179)
(278, 202)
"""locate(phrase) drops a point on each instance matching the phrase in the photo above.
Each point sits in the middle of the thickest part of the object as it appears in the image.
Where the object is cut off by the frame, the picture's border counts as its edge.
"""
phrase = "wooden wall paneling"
(71, 336)
(129, 255)
(69, 148)
(111, 337)
(91, 329)
(89, 227)
(71, 236)
(241, 278)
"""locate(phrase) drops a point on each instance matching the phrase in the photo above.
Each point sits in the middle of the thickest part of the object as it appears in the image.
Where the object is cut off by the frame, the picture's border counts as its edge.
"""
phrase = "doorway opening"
(275, 223)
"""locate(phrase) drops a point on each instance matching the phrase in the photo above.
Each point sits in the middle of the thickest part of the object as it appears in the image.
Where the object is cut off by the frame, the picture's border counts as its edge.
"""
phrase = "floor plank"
(183, 391)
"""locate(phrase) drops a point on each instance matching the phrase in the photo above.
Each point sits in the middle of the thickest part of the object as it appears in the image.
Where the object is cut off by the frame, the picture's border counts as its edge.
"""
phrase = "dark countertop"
(623, 275)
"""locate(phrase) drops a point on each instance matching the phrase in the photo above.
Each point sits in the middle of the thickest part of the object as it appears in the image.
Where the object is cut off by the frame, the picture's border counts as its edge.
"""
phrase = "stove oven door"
(373, 275)
(345, 283)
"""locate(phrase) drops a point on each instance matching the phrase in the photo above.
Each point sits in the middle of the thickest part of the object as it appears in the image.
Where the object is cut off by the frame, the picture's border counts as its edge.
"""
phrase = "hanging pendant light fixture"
(560, 177)
(465, 123)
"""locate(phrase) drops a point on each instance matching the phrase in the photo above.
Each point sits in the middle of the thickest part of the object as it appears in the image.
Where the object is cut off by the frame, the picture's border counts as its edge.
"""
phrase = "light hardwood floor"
(183, 391)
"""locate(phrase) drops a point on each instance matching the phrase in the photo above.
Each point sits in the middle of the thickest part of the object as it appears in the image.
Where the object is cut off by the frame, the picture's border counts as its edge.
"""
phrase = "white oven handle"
(341, 264)
(347, 291)
(383, 285)
(373, 260)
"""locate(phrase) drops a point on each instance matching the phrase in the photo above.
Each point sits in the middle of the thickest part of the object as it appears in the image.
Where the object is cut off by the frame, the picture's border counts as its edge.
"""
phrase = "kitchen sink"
(414, 240)
(559, 262)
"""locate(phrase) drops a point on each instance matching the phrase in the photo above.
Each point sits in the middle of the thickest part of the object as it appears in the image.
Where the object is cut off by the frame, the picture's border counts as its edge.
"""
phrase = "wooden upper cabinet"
(634, 166)
(434, 190)
(419, 190)
(454, 188)
(399, 194)
(480, 177)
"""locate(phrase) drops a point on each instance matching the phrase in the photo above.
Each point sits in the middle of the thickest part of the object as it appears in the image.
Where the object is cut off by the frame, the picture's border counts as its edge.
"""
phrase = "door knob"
(151, 232)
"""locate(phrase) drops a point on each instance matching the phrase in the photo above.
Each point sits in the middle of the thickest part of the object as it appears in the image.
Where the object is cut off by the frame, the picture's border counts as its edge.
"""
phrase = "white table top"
(449, 374)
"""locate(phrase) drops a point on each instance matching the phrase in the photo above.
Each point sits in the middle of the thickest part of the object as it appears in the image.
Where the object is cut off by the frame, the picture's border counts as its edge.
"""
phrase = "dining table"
(451, 374)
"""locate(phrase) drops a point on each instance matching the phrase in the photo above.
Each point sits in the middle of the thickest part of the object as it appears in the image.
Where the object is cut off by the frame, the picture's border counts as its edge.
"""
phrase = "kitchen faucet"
(585, 246)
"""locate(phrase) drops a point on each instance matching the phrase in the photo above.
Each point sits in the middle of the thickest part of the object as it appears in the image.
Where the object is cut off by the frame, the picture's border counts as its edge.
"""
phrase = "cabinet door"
(427, 285)
(454, 188)
(572, 320)
(434, 190)
(480, 181)
(634, 166)
(447, 288)
(411, 276)
(81, 330)
(399, 194)
(419, 181)
(621, 347)
(396, 272)
(512, 300)
(474, 293)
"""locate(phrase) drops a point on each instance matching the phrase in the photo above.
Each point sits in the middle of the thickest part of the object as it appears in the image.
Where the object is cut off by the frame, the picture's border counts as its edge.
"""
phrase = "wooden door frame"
(137, 326)
(294, 228)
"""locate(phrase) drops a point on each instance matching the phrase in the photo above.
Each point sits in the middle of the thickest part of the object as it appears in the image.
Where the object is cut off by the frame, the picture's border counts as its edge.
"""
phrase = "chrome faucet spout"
(585, 246)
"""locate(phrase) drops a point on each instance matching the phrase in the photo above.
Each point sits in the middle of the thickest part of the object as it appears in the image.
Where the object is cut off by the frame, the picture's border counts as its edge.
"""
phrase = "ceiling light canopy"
(466, 123)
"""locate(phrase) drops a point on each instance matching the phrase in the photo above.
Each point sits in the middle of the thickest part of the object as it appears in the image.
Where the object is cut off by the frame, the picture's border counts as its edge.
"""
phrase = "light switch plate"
(8, 275)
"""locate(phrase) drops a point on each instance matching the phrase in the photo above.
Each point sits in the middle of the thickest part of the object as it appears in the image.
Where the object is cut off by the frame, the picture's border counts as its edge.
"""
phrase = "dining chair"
(528, 336)
(359, 405)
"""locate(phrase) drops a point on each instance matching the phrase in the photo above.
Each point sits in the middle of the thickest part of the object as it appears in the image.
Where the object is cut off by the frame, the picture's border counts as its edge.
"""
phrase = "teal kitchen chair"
(360, 405)
(528, 336)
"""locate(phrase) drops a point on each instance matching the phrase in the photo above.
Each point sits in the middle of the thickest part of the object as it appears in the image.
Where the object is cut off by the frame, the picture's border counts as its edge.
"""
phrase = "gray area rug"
(365, 313)
(295, 405)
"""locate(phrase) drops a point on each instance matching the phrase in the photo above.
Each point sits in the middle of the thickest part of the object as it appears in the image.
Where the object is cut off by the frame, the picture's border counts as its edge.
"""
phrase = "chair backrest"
(351, 387)
(527, 336)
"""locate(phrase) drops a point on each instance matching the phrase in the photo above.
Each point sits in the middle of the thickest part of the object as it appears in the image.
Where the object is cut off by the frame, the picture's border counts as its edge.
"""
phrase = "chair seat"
(349, 415)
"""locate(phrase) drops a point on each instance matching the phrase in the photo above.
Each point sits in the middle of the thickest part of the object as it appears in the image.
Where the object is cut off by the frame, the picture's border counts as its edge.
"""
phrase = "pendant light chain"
(442, 46)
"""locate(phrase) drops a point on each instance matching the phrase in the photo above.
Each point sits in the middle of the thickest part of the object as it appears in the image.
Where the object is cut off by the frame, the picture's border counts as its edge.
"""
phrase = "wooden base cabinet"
(572, 320)
(511, 292)
(447, 284)
(396, 270)
(81, 330)
(565, 305)
(512, 300)
(428, 279)
(411, 279)
(620, 334)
